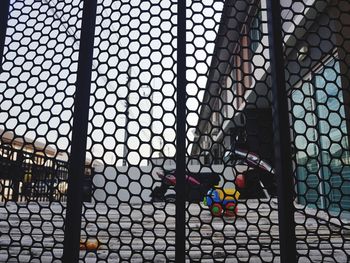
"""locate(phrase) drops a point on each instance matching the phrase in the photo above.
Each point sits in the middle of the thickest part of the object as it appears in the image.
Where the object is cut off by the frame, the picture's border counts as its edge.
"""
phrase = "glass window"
(321, 140)
(334, 140)
(307, 156)
(255, 33)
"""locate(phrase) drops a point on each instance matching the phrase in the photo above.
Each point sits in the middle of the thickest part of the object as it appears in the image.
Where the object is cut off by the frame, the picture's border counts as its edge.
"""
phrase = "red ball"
(240, 181)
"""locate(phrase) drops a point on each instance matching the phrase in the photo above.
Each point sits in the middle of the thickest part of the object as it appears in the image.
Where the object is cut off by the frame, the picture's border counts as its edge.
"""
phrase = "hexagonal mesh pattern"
(316, 40)
(132, 131)
(129, 199)
(37, 86)
(229, 116)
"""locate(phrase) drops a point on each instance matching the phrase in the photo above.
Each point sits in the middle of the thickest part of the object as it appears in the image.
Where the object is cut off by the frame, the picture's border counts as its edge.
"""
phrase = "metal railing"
(26, 176)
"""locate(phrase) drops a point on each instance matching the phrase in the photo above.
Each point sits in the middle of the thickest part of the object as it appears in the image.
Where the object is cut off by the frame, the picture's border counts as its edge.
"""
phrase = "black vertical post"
(181, 133)
(79, 134)
(281, 128)
(4, 13)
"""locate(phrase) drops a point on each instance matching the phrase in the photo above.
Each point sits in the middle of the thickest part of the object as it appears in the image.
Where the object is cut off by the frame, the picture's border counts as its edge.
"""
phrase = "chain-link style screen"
(129, 199)
(316, 40)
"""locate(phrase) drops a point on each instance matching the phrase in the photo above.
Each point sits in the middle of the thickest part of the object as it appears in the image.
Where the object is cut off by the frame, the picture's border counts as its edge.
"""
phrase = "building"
(237, 98)
(236, 85)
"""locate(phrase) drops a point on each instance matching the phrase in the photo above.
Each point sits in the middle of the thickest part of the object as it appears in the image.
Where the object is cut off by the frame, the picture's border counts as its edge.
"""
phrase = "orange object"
(92, 244)
(89, 244)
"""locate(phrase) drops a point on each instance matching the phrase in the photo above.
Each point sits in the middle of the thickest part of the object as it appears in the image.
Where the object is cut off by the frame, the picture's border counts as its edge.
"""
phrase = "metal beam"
(281, 131)
(4, 14)
(181, 134)
(79, 134)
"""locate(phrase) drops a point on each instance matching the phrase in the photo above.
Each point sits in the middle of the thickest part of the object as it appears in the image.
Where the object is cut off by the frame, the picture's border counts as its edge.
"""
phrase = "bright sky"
(139, 37)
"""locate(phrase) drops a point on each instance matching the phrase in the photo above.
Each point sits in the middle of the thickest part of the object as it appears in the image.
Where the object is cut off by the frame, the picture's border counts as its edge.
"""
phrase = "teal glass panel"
(307, 150)
(255, 33)
(334, 141)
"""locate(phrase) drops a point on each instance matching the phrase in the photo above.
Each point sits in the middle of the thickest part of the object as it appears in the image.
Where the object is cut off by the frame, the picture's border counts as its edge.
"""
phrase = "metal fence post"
(4, 13)
(79, 134)
(281, 128)
(181, 133)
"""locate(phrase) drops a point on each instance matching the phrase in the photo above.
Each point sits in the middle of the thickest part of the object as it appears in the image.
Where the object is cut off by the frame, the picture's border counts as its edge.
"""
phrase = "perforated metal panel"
(317, 76)
(229, 109)
(245, 103)
(37, 85)
(132, 130)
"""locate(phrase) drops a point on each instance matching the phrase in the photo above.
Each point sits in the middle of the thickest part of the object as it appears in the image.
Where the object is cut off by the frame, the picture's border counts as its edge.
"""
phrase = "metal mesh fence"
(230, 120)
(37, 88)
(132, 131)
(233, 189)
(317, 75)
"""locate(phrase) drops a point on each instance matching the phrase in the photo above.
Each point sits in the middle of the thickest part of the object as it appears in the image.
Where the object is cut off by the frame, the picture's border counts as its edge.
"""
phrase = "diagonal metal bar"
(281, 130)
(4, 13)
(79, 134)
(181, 133)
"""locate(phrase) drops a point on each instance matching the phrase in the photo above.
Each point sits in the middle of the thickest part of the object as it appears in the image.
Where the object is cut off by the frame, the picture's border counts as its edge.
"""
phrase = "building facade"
(238, 96)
